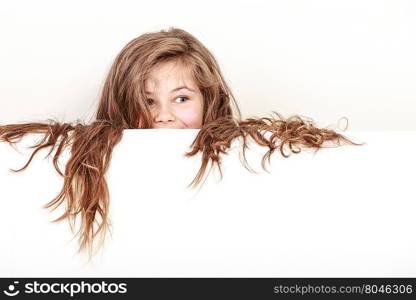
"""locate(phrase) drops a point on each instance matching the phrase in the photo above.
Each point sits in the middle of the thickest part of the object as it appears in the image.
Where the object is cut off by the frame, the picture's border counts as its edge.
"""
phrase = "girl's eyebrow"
(177, 89)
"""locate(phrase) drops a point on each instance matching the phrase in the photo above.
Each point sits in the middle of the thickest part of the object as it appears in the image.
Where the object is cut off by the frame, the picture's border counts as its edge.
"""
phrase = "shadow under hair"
(84, 192)
(272, 132)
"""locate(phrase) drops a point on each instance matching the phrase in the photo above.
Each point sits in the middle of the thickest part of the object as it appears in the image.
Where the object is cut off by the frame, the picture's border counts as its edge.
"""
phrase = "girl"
(165, 79)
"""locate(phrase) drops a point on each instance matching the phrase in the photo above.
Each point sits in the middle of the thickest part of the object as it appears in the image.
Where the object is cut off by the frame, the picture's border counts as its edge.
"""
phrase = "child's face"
(170, 106)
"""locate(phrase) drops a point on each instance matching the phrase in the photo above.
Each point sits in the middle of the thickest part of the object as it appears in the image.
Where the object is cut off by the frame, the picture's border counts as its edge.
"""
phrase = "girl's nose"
(164, 114)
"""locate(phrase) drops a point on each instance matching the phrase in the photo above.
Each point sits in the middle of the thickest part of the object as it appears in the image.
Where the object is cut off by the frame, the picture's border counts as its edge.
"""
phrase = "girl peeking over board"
(165, 79)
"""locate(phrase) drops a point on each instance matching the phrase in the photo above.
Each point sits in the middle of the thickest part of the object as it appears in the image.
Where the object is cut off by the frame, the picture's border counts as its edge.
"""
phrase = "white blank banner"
(345, 212)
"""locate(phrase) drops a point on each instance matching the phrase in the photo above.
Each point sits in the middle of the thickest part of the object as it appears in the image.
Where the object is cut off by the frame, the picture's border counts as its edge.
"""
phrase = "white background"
(323, 59)
(345, 212)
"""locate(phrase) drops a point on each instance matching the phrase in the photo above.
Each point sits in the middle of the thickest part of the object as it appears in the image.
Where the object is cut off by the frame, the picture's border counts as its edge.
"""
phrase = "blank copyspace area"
(346, 211)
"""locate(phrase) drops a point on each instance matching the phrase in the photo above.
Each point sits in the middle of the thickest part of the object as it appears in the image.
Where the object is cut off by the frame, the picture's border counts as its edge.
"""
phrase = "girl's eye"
(150, 101)
(183, 98)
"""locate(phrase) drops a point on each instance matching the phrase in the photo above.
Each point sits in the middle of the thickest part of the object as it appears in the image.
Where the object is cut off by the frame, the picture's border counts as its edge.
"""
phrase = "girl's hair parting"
(122, 106)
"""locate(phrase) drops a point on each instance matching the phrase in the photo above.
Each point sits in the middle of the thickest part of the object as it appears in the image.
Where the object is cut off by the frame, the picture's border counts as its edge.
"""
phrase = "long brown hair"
(122, 106)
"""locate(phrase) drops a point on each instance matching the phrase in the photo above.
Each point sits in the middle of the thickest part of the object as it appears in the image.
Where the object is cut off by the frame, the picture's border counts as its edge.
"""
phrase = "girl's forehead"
(169, 74)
